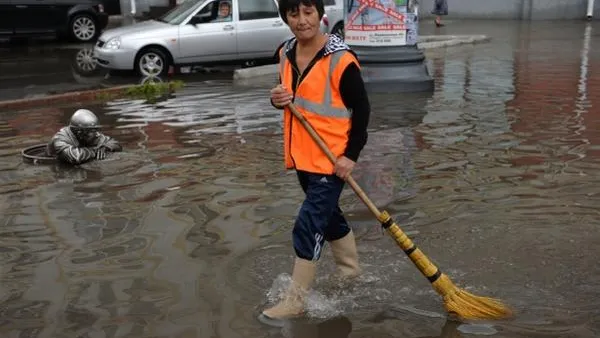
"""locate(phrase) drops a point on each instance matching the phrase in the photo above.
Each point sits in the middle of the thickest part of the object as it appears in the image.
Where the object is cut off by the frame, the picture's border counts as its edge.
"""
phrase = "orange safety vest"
(318, 99)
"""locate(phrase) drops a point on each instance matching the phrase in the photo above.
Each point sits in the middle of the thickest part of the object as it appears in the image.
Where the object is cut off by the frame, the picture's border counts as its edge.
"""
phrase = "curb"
(425, 42)
(455, 40)
(70, 98)
(245, 73)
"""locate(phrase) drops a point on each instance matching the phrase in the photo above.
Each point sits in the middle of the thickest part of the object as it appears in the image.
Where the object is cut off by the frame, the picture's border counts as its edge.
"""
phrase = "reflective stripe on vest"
(325, 108)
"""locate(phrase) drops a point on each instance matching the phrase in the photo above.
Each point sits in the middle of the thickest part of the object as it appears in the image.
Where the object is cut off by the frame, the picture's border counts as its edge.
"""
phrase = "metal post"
(590, 9)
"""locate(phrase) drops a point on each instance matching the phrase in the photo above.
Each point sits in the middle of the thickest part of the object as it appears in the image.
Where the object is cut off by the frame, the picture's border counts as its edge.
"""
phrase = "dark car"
(81, 20)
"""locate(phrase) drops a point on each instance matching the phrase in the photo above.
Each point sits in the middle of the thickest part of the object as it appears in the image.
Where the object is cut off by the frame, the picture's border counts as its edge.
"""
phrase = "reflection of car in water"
(84, 66)
(41, 70)
(37, 63)
(151, 79)
(84, 61)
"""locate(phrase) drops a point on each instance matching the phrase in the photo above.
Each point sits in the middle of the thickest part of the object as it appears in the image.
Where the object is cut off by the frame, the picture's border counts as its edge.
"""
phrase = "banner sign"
(381, 23)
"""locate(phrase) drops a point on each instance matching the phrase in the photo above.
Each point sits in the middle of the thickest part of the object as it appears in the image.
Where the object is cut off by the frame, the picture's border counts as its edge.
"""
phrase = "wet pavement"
(494, 176)
(41, 67)
(49, 65)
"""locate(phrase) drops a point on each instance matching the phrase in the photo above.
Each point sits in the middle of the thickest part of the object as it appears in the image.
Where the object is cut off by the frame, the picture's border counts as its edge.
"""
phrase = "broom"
(456, 300)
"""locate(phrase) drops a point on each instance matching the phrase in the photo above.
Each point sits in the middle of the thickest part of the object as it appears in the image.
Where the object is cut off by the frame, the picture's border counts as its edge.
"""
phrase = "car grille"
(100, 43)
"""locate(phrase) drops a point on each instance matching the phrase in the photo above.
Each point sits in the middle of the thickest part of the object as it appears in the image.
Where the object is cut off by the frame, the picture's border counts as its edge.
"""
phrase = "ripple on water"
(478, 329)
(203, 109)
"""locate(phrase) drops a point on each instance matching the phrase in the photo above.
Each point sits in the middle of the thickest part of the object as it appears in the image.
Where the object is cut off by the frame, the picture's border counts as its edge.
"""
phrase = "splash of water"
(334, 300)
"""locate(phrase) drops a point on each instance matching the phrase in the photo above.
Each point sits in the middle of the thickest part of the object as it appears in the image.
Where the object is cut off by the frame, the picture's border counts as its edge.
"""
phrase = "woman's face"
(224, 10)
(304, 22)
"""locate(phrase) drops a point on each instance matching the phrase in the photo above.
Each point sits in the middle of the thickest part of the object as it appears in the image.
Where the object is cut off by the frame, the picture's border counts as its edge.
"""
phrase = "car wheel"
(338, 30)
(83, 28)
(152, 62)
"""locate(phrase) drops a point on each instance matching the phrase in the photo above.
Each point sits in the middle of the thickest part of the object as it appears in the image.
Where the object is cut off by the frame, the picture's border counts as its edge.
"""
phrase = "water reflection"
(40, 69)
(182, 234)
(75, 174)
(339, 327)
(342, 327)
(33, 70)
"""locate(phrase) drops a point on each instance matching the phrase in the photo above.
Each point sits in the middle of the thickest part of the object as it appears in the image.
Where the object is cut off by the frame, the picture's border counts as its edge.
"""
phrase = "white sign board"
(379, 23)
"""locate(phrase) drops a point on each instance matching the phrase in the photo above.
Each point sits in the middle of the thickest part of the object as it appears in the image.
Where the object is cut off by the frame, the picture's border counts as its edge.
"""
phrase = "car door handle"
(228, 28)
(278, 23)
(21, 6)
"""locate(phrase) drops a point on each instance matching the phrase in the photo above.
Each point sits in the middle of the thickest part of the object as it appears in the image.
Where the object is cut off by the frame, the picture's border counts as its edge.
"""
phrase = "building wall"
(513, 9)
(142, 6)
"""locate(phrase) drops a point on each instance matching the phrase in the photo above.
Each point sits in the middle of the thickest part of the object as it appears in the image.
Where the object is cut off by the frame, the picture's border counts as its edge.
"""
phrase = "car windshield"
(178, 14)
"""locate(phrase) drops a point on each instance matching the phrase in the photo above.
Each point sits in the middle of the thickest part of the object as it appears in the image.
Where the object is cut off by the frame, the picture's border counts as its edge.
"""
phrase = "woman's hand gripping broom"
(456, 300)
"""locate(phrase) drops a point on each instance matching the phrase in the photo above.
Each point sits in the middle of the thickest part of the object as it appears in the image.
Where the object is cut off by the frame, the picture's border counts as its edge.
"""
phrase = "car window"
(207, 13)
(214, 11)
(257, 9)
(180, 12)
(329, 2)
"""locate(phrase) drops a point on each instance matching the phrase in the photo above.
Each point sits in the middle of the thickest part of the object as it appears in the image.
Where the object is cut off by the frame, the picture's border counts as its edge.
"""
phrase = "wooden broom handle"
(357, 189)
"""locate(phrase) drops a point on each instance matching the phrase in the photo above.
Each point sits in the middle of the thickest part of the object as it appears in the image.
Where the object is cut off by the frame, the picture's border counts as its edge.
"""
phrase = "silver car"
(195, 32)
(334, 17)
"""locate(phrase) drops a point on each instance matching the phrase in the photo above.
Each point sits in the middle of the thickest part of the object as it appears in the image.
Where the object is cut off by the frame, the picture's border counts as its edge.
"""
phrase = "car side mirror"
(200, 19)
(195, 20)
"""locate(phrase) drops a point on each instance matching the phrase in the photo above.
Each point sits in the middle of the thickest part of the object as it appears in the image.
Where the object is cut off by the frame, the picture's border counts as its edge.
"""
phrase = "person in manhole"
(321, 75)
(81, 141)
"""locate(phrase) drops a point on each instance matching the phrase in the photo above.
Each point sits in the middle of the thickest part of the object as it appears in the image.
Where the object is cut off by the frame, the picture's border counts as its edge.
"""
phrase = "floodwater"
(495, 176)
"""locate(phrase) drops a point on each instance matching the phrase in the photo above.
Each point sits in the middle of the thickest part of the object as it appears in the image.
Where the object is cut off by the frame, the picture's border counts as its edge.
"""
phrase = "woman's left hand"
(343, 167)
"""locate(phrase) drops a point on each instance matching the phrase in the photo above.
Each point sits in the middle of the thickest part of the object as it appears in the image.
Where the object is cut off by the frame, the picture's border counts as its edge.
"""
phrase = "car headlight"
(114, 43)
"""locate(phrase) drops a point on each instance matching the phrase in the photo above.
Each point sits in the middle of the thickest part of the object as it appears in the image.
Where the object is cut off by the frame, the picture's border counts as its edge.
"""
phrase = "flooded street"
(494, 176)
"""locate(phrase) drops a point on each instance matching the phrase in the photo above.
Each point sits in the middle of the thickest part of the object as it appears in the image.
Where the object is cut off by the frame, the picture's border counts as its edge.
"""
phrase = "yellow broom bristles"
(466, 305)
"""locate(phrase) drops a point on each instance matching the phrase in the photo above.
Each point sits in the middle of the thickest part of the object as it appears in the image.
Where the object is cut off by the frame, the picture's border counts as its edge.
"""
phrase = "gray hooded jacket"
(67, 148)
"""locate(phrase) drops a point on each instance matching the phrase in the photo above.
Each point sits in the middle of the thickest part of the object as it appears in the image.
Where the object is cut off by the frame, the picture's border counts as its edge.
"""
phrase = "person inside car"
(81, 141)
(224, 14)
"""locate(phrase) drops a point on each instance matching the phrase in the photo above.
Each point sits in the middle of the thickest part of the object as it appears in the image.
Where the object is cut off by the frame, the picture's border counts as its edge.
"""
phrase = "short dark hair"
(292, 5)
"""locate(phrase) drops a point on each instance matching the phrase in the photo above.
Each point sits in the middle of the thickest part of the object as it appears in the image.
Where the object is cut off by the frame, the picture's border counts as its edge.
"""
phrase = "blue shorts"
(320, 218)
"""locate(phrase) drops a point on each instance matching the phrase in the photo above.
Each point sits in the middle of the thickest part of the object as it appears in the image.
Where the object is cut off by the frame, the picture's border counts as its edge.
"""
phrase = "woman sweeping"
(320, 74)
(440, 8)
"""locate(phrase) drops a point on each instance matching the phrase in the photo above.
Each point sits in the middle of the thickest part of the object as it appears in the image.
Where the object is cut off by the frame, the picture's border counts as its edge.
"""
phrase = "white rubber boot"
(346, 257)
(292, 304)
